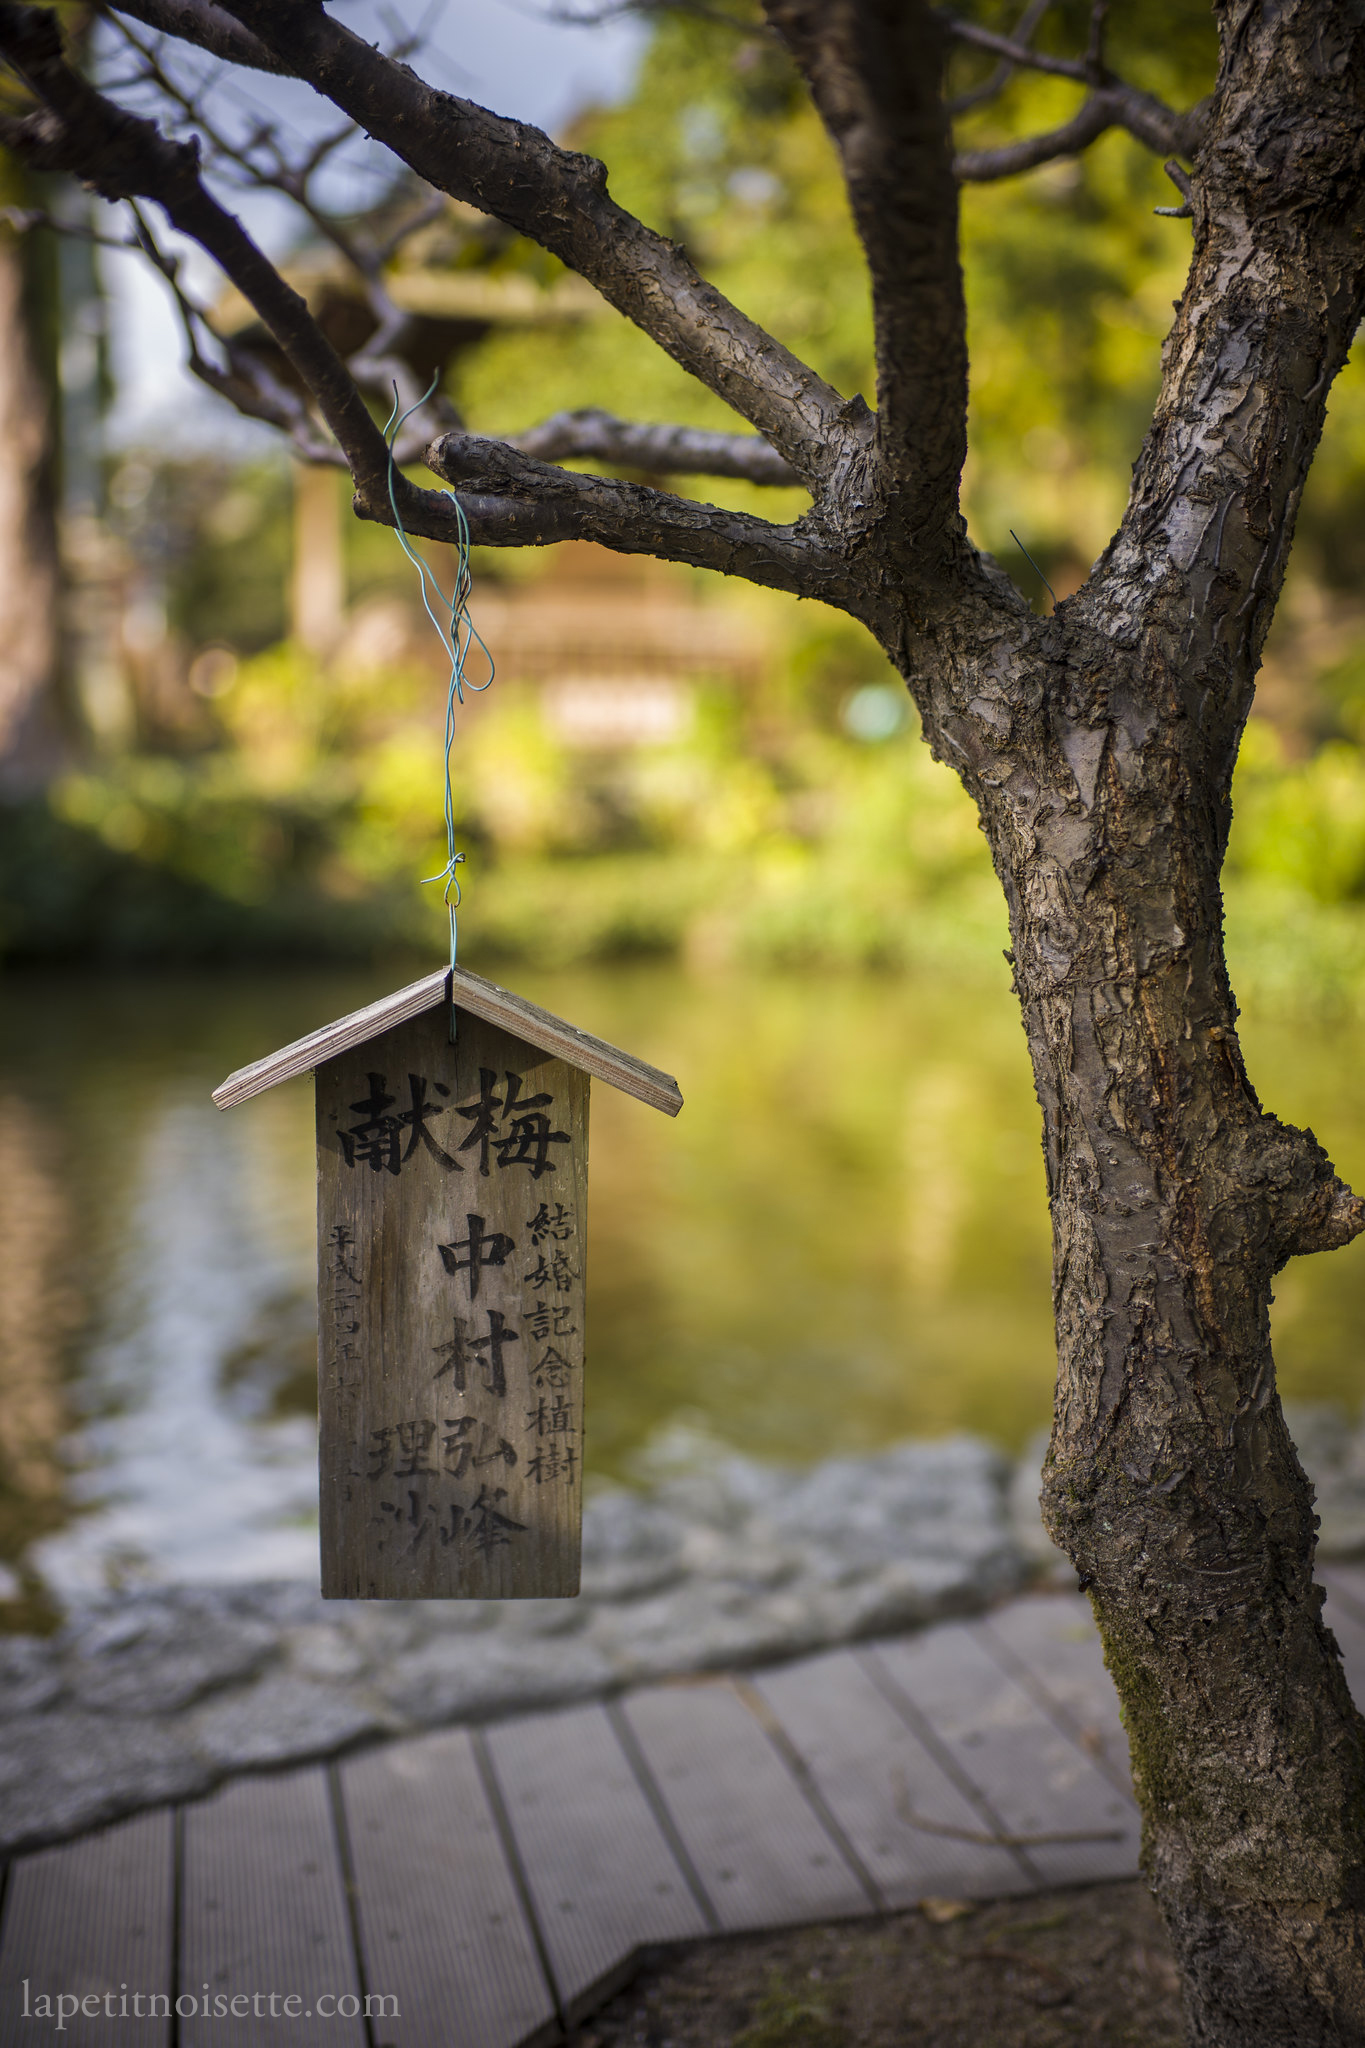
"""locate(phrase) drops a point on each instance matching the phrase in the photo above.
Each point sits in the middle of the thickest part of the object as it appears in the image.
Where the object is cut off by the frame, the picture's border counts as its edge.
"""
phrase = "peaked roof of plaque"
(482, 999)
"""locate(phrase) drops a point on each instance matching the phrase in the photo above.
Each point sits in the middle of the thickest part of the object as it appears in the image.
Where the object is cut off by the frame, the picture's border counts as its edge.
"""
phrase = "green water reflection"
(842, 1240)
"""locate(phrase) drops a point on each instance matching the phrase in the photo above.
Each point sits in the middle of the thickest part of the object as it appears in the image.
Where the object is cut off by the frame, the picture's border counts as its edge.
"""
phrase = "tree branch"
(980, 166)
(1269, 311)
(963, 102)
(559, 199)
(79, 132)
(376, 366)
(510, 498)
(874, 69)
(1015, 52)
(1111, 104)
(246, 384)
(662, 451)
(209, 27)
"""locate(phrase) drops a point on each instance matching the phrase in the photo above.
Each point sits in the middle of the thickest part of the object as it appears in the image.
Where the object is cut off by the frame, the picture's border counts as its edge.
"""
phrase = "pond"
(841, 1241)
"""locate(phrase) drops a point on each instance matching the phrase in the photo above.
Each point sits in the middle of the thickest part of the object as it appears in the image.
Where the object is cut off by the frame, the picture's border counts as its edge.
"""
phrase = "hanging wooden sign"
(452, 1258)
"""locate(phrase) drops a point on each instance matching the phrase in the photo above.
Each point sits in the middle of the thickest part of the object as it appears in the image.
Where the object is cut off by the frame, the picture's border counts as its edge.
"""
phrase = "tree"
(1098, 745)
(31, 736)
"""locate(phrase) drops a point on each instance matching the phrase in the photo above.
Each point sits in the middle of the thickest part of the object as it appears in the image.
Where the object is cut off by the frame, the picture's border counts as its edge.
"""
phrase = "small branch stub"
(1184, 184)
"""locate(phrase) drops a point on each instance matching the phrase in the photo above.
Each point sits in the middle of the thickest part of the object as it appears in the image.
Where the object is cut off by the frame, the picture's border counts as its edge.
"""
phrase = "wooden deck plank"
(763, 1856)
(442, 1926)
(1051, 1645)
(602, 1878)
(877, 1778)
(1038, 1781)
(263, 1909)
(92, 1918)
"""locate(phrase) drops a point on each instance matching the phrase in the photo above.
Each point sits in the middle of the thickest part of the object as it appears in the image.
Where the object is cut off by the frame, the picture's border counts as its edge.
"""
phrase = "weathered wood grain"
(880, 1782)
(479, 998)
(263, 1909)
(605, 1062)
(452, 1212)
(602, 1878)
(330, 1040)
(762, 1854)
(1038, 1787)
(94, 1919)
(442, 1928)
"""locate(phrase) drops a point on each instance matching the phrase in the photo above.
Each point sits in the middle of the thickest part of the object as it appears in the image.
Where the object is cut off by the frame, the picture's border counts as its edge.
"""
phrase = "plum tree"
(1098, 745)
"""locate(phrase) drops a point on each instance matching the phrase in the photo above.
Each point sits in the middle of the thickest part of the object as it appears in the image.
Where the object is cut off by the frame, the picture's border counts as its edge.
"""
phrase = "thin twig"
(1028, 21)
(1015, 52)
(1094, 53)
(900, 1793)
(1184, 185)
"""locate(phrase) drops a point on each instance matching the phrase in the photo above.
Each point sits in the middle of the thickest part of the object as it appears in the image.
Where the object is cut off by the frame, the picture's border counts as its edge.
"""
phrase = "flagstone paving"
(487, 1887)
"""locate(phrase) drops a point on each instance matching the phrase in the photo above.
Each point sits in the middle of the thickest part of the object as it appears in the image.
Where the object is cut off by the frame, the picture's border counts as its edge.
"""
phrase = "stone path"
(159, 1694)
(486, 1888)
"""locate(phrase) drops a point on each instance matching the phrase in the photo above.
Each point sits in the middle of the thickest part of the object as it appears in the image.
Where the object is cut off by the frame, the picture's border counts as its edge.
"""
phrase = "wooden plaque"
(452, 1213)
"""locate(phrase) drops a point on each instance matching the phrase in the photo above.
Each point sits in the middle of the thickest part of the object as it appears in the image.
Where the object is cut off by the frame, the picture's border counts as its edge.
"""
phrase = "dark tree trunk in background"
(31, 738)
(1098, 746)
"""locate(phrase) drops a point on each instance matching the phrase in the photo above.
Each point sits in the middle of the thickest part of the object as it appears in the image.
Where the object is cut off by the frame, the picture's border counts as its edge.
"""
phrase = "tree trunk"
(1099, 746)
(1171, 1481)
(31, 735)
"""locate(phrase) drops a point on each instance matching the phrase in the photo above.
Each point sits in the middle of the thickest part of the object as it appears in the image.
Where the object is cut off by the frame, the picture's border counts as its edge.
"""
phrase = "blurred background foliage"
(250, 770)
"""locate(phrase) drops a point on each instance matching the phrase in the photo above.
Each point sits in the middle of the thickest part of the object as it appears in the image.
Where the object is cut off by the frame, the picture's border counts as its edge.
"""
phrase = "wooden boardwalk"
(486, 1888)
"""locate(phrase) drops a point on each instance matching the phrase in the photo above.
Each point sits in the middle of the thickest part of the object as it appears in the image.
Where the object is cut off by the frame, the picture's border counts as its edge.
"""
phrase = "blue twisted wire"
(458, 636)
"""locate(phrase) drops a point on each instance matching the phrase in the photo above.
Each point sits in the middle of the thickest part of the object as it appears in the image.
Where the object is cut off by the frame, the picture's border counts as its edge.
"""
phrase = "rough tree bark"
(1098, 746)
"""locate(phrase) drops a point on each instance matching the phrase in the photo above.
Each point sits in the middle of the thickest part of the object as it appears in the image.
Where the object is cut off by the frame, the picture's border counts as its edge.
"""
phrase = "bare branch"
(1184, 185)
(616, 10)
(24, 219)
(1112, 104)
(210, 28)
(1110, 107)
(980, 166)
(559, 199)
(79, 132)
(512, 499)
(376, 366)
(873, 67)
(430, 210)
(662, 451)
(1015, 52)
(963, 102)
(246, 383)
(1094, 54)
